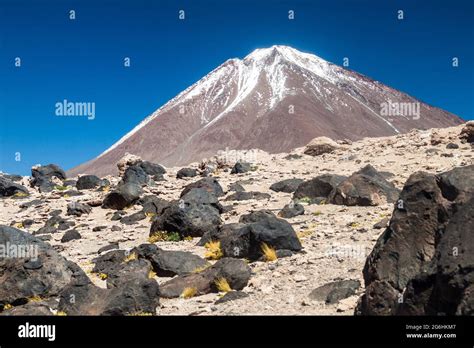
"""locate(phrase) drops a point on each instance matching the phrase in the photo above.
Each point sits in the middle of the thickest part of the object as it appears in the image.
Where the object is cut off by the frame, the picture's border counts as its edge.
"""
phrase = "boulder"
(428, 226)
(124, 195)
(30, 267)
(186, 173)
(77, 209)
(318, 188)
(87, 182)
(241, 167)
(333, 292)
(152, 169)
(9, 188)
(187, 219)
(247, 195)
(367, 187)
(209, 184)
(167, 263)
(291, 210)
(136, 297)
(235, 272)
(287, 185)
(467, 133)
(319, 146)
(245, 239)
(42, 176)
(70, 235)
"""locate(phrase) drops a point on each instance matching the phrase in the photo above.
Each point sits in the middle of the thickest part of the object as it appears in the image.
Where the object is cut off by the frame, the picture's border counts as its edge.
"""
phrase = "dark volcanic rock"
(38, 271)
(133, 218)
(209, 184)
(236, 272)
(152, 169)
(88, 182)
(246, 195)
(170, 263)
(287, 185)
(187, 219)
(139, 296)
(236, 187)
(335, 291)
(77, 209)
(232, 296)
(123, 196)
(70, 235)
(367, 187)
(42, 176)
(467, 133)
(135, 175)
(186, 173)
(429, 225)
(241, 167)
(318, 188)
(245, 238)
(291, 210)
(9, 188)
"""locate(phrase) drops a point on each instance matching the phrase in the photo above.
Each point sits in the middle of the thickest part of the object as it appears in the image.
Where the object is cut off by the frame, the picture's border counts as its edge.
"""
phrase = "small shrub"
(60, 188)
(102, 276)
(188, 292)
(268, 252)
(130, 257)
(222, 285)
(214, 251)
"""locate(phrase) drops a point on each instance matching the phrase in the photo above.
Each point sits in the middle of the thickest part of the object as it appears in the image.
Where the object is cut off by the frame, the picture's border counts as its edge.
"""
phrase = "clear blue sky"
(82, 60)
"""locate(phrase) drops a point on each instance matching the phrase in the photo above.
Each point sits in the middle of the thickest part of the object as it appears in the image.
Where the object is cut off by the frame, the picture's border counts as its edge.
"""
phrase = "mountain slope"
(275, 99)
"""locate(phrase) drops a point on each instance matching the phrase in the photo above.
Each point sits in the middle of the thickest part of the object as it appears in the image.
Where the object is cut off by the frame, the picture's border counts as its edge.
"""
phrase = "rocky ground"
(335, 238)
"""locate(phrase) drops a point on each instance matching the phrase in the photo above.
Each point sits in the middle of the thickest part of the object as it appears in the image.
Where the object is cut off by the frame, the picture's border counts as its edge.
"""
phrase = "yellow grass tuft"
(19, 225)
(188, 292)
(61, 314)
(35, 298)
(130, 257)
(7, 307)
(102, 276)
(222, 285)
(304, 233)
(214, 251)
(269, 252)
(151, 274)
(20, 194)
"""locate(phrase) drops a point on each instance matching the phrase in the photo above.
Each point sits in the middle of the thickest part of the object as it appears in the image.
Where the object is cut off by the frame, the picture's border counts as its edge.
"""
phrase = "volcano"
(275, 99)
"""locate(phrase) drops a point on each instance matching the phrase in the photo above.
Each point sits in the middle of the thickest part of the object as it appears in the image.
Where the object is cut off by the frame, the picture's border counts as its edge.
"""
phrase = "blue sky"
(82, 59)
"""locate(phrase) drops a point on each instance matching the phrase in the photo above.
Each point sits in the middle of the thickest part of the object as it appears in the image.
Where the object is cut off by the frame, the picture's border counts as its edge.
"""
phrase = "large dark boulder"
(318, 188)
(9, 188)
(135, 175)
(235, 272)
(425, 252)
(152, 169)
(87, 182)
(186, 173)
(77, 209)
(245, 239)
(287, 185)
(136, 297)
(42, 176)
(187, 219)
(209, 184)
(291, 210)
(126, 194)
(168, 263)
(247, 195)
(241, 167)
(30, 267)
(367, 187)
